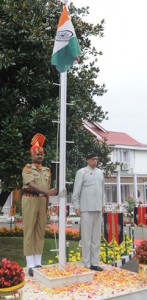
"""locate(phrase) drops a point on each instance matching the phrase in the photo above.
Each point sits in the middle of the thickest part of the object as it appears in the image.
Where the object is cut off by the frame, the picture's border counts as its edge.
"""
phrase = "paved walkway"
(131, 265)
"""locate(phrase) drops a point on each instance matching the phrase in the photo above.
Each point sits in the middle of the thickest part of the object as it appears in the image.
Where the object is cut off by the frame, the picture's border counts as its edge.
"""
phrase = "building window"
(110, 194)
(123, 155)
(125, 192)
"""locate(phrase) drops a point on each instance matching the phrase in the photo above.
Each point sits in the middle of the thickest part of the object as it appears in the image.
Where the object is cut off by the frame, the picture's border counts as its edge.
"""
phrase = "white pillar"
(135, 186)
(118, 189)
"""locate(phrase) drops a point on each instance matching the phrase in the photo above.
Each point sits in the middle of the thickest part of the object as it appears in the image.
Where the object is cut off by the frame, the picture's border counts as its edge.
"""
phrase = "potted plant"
(11, 277)
(141, 256)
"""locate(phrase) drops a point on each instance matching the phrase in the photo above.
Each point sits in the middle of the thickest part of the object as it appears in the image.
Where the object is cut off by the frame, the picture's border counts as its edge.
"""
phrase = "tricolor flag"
(66, 48)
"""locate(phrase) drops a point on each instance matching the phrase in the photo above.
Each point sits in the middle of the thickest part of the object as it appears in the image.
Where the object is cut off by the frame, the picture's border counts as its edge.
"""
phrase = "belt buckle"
(41, 195)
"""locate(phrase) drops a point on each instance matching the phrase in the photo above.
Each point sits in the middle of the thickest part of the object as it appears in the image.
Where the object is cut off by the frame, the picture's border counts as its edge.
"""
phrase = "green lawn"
(12, 248)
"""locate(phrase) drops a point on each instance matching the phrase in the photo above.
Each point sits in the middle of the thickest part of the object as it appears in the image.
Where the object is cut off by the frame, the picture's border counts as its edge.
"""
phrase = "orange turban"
(37, 143)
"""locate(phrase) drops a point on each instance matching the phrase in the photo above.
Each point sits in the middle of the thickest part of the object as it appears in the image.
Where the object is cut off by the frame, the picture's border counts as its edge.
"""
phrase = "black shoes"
(30, 272)
(96, 268)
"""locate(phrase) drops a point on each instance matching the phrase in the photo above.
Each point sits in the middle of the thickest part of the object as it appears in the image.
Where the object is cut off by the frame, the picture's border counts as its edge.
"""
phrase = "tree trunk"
(3, 198)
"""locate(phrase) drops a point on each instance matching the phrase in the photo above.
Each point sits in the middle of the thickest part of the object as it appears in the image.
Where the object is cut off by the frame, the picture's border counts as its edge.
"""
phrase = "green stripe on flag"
(65, 57)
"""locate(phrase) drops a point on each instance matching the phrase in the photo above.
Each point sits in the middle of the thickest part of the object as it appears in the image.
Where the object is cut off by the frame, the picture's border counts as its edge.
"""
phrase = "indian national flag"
(66, 48)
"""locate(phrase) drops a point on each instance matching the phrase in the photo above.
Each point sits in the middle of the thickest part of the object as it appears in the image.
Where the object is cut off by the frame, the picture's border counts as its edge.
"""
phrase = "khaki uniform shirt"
(40, 176)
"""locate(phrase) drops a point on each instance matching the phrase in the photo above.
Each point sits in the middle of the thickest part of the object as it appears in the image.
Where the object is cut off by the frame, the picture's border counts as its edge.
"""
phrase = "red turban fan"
(37, 143)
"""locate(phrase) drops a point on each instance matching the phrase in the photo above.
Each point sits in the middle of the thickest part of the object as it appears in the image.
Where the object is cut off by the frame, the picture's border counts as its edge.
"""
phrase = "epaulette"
(27, 168)
(46, 168)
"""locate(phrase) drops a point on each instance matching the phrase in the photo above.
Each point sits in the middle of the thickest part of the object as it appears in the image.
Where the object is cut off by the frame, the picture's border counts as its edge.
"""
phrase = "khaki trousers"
(34, 220)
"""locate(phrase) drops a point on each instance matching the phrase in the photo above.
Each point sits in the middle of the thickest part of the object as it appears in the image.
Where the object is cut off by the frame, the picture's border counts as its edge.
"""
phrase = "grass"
(12, 248)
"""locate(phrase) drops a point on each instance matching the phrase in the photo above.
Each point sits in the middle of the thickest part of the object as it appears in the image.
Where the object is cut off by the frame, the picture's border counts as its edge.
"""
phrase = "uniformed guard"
(35, 196)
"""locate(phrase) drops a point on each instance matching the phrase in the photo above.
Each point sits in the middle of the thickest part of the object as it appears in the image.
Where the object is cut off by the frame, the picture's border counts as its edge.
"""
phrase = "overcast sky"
(123, 66)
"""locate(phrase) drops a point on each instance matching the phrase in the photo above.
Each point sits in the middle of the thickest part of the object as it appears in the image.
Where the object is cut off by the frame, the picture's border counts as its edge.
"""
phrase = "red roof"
(113, 138)
(119, 138)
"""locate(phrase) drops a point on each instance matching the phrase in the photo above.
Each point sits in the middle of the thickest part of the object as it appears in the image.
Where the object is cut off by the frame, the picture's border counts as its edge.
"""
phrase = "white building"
(130, 177)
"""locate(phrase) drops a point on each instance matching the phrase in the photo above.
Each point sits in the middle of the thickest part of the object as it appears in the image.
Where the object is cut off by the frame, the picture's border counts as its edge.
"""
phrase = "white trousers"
(91, 237)
(33, 260)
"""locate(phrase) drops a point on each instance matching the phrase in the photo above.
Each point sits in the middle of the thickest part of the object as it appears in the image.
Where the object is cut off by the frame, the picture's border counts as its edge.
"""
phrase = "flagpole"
(63, 62)
(62, 171)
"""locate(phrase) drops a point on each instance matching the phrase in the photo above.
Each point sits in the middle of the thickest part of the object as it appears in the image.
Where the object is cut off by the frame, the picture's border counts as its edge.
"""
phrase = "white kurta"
(88, 196)
(88, 193)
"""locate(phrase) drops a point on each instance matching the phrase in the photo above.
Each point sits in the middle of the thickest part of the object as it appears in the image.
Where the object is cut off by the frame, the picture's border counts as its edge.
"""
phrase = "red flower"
(10, 273)
(141, 252)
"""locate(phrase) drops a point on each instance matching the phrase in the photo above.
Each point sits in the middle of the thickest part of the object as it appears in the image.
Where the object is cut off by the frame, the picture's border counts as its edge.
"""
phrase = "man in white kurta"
(88, 197)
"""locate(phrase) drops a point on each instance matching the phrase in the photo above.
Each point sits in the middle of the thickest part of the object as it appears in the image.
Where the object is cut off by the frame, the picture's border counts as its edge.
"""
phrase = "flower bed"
(109, 253)
(49, 233)
(16, 231)
(112, 251)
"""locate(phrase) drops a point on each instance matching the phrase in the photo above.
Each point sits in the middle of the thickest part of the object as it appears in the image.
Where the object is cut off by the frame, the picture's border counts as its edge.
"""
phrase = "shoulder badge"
(46, 169)
(27, 168)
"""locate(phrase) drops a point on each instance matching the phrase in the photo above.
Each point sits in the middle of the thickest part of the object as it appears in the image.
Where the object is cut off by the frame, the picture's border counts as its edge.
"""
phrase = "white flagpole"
(62, 171)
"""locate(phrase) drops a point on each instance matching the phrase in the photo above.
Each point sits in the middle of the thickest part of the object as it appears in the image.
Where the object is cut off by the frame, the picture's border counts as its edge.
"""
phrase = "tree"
(29, 100)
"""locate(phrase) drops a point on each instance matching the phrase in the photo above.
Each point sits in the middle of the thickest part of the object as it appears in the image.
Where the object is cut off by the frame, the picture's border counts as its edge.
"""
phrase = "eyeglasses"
(94, 158)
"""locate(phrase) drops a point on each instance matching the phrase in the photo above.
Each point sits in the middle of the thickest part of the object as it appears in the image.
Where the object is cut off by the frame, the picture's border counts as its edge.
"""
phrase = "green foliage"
(29, 100)
(130, 205)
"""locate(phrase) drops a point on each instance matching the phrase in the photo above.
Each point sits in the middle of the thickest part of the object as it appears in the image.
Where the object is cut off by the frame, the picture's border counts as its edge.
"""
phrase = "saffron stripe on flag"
(66, 48)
